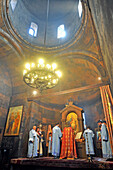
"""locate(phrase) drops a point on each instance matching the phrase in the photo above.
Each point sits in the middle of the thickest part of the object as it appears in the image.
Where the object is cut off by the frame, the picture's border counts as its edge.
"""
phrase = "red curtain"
(107, 102)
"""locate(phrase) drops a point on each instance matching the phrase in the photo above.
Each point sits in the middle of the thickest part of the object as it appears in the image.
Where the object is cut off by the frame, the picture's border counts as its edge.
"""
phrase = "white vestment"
(56, 135)
(50, 145)
(88, 135)
(40, 149)
(32, 144)
(106, 148)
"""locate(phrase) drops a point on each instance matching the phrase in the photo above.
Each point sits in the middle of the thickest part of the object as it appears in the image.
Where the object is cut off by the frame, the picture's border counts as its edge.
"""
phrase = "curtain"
(107, 102)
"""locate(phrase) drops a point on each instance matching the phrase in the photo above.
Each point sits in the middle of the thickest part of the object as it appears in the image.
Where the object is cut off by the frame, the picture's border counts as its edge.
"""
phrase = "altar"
(73, 114)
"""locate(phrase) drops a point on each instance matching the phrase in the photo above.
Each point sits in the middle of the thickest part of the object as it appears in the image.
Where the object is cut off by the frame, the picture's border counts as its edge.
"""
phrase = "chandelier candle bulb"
(59, 73)
(24, 72)
(27, 66)
(32, 65)
(54, 66)
(41, 76)
(48, 66)
(41, 61)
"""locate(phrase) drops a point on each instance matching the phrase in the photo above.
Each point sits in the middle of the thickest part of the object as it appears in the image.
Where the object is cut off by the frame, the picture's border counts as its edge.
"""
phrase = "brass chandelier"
(40, 75)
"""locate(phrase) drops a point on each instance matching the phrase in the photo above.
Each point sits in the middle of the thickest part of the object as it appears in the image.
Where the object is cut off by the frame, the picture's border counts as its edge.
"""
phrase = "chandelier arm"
(40, 76)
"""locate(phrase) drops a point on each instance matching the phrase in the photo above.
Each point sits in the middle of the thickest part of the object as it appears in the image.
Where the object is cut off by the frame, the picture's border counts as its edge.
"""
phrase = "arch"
(12, 43)
(86, 55)
(72, 108)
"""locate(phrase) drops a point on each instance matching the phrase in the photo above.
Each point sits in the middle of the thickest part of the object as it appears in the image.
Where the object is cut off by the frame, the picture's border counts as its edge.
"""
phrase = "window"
(13, 4)
(61, 31)
(84, 118)
(33, 29)
(80, 8)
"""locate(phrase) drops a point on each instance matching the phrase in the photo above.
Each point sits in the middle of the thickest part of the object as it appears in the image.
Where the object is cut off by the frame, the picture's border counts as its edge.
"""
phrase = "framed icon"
(13, 121)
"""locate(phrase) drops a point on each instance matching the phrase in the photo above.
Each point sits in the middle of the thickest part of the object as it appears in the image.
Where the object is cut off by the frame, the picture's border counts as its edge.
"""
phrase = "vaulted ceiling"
(78, 55)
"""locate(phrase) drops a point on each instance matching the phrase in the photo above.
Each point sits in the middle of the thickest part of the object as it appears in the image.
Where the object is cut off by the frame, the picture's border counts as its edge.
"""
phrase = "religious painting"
(13, 121)
(72, 118)
(98, 135)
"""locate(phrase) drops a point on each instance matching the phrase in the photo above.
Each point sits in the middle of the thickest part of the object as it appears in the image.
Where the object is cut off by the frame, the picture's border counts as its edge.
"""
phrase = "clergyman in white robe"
(89, 135)
(50, 145)
(32, 143)
(56, 135)
(106, 149)
(40, 141)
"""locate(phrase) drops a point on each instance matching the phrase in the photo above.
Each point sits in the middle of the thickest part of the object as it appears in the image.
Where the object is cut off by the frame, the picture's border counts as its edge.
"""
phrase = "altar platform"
(49, 163)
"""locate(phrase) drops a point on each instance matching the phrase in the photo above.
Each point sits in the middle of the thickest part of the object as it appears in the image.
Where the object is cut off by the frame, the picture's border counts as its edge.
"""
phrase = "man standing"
(32, 143)
(89, 135)
(56, 135)
(106, 149)
(50, 144)
(68, 149)
(99, 122)
(40, 140)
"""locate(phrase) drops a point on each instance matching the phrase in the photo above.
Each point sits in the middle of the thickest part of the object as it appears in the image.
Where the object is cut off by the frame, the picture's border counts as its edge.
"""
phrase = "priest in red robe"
(68, 148)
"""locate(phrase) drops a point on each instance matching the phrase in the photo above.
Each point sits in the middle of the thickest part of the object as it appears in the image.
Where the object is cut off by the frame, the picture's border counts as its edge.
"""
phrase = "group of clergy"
(106, 148)
(104, 138)
(36, 142)
(68, 147)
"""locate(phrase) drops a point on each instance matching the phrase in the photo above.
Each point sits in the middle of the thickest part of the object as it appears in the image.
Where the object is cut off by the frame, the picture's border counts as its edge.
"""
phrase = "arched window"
(13, 4)
(61, 31)
(80, 9)
(33, 29)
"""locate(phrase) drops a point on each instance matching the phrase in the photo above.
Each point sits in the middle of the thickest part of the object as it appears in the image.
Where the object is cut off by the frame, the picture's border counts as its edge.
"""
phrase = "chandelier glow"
(41, 76)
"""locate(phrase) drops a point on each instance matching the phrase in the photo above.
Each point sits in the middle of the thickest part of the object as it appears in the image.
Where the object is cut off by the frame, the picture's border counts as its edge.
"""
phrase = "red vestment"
(68, 148)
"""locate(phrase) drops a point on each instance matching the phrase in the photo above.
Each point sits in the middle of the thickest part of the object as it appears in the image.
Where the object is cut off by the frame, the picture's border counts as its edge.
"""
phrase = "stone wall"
(5, 94)
(102, 12)
(82, 63)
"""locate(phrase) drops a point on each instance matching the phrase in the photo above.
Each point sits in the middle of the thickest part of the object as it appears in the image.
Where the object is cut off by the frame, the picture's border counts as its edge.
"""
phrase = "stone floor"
(49, 163)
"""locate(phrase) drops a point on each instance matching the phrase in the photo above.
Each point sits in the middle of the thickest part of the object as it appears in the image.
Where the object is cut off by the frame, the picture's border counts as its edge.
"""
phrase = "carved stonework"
(69, 110)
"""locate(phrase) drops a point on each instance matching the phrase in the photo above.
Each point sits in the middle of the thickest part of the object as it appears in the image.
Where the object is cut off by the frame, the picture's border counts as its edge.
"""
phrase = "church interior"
(76, 37)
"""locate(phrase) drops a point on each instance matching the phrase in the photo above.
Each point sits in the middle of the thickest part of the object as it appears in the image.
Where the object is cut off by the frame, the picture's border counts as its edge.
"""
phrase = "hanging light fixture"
(40, 75)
